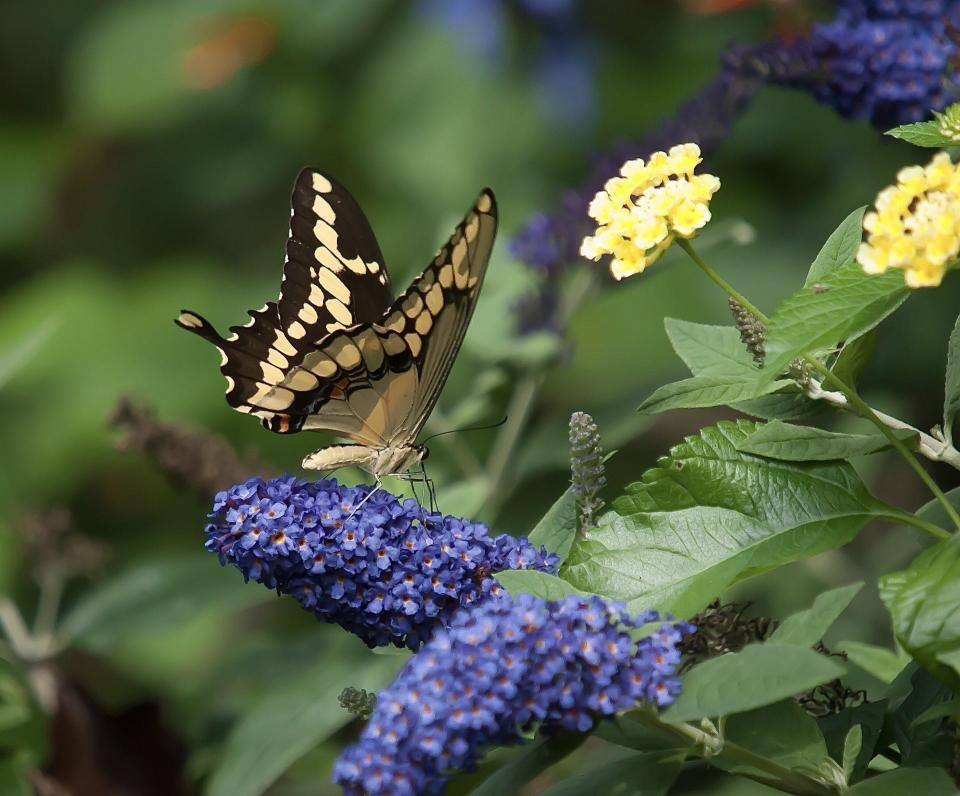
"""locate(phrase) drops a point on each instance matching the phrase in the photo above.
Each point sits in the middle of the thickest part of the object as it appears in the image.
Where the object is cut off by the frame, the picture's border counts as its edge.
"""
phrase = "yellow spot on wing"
(302, 380)
(414, 343)
(435, 299)
(328, 259)
(339, 312)
(320, 364)
(323, 210)
(424, 322)
(321, 183)
(334, 286)
(412, 305)
(278, 359)
(344, 352)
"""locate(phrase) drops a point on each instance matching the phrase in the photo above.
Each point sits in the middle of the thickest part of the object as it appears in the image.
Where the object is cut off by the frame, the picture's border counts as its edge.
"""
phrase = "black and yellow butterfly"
(337, 352)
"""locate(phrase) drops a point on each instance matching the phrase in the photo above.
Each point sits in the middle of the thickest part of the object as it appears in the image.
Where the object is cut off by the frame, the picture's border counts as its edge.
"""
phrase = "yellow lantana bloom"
(915, 224)
(639, 213)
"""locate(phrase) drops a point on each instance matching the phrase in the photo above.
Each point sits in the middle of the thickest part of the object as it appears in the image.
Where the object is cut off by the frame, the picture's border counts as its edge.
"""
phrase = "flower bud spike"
(752, 331)
(586, 468)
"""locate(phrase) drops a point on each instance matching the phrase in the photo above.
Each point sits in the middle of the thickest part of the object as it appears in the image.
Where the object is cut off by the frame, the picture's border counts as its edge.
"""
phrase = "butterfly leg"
(369, 495)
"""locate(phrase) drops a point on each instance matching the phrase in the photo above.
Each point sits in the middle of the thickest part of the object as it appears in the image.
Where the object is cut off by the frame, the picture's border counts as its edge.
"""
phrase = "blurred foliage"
(148, 149)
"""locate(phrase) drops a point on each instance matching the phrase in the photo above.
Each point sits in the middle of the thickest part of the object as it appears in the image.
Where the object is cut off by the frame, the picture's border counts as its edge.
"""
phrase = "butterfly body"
(337, 352)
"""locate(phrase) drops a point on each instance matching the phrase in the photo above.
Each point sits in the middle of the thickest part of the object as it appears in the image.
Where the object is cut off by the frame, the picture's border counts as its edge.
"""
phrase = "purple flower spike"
(499, 670)
(389, 572)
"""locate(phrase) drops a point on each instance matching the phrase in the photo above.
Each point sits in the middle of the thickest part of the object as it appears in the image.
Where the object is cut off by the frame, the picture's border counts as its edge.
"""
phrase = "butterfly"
(337, 352)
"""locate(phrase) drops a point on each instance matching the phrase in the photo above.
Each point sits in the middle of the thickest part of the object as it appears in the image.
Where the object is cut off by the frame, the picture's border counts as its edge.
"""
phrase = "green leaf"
(882, 663)
(852, 746)
(628, 731)
(777, 440)
(924, 603)
(939, 711)
(701, 391)
(951, 390)
(925, 781)
(710, 350)
(839, 249)
(293, 717)
(782, 732)
(529, 764)
(808, 627)
(845, 303)
(557, 529)
(925, 134)
(836, 728)
(920, 744)
(933, 509)
(708, 515)
(758, 675)
(790, 404)
(853, 358)
(649, 774)
(539, 584)
(155, 595)
(951, 659)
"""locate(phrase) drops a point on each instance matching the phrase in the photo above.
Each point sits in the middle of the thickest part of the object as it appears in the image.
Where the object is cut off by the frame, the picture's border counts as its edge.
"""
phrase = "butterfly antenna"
(468, 428)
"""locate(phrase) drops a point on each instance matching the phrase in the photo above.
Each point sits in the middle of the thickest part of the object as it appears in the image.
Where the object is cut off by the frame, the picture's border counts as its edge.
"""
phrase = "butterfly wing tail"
(199, 325)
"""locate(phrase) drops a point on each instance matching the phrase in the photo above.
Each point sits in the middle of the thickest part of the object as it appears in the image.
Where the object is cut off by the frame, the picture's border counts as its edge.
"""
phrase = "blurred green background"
(147, 150)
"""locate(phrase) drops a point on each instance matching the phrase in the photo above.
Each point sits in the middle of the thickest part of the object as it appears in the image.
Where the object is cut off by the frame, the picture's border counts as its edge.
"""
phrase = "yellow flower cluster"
(639, 213)
(916, 224)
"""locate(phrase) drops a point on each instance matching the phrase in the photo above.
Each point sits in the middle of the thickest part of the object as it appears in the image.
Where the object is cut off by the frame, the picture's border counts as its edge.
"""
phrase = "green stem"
(863, 408)
(917, 522)
(724, 285)
(866, 411)
(778, 777)
(518, 412)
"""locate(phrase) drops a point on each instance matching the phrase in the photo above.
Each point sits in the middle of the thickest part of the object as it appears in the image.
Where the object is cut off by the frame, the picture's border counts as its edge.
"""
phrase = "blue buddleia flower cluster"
(888, 62)
(499, 670)
(387, 570)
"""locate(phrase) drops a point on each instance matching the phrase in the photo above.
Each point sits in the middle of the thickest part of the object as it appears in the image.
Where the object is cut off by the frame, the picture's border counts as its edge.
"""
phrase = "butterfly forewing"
(334, 275)
(377, 378)
(439, 305)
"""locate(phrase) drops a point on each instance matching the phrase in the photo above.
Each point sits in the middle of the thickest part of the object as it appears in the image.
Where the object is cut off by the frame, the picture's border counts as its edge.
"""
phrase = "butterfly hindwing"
(334, 274)
(377, 378)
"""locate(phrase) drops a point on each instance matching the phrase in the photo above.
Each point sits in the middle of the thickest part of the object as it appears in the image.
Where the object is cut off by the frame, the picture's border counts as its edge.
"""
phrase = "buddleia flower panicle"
(915, 224)
(652, 202)
(752, 331)
(885, 61)
(948, 122)
(587, 475)
(500, 670)
(388, 571)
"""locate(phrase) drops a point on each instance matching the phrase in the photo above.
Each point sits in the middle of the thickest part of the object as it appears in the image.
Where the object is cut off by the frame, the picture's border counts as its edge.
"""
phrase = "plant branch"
(724, 285)
(710, 744)
(866, 411)
(907, 518)
(849, 393)
(932, 446)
